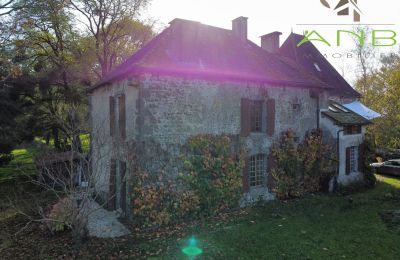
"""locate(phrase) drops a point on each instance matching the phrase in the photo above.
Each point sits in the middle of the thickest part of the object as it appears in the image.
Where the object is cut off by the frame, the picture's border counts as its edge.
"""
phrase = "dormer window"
(317, 67)
(352, 130)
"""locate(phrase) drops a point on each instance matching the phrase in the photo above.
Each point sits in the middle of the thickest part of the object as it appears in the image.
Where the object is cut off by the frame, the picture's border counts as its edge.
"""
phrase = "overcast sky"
(285, 16)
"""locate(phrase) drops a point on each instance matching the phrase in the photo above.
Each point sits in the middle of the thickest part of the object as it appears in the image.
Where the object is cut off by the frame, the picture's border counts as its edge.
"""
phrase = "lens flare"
(192, 250)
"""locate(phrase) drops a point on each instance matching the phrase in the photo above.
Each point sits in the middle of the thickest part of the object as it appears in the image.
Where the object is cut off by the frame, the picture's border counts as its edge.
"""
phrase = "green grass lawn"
(316, 227)
(322, 226)
(21, 165)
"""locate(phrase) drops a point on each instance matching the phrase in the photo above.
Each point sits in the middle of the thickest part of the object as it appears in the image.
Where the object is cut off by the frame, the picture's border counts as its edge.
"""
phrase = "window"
(317, 67)
(296, 107)
(257, 169)
(256, 116)
(112, 116)
(121, 116)
(353, 158)
(117, 116)
(352, 129)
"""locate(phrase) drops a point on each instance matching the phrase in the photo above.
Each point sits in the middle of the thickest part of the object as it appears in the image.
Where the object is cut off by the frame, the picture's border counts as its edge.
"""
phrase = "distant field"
(23, 159)
(21, 165)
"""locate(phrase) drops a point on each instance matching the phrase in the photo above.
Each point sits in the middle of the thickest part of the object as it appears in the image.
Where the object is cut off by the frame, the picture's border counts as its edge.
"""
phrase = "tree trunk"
(56, 137)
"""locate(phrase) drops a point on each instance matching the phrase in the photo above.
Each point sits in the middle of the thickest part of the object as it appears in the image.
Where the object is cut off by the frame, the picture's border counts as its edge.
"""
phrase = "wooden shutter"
(361, 158)
(122, 116)
(245, 180)
(271, 182)
(122, 201)
(113, 188)
(348, 151)
(271, 117)
(112, 116)
(245, 116)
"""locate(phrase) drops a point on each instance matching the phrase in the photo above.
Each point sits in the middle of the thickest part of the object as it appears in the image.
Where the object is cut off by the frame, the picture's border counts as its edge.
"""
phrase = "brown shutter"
(245, 180)
(122, 116)
(271, 182)
(271, 117)
(122, 168)
(348, 150)
(113, 187)
(112, 116)
(245, 117)
(361, 158)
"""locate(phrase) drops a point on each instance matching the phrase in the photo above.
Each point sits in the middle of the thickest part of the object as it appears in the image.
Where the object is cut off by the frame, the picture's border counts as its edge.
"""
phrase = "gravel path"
(104, 224)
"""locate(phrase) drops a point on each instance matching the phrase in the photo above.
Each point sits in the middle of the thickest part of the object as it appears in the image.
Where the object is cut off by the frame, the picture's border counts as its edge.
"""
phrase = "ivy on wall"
(211, 182)
(301, 168)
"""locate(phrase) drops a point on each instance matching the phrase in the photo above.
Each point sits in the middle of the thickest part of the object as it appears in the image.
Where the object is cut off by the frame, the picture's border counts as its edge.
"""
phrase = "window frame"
(353, 160)
(257, 171)
(352, 129)
(256, 116)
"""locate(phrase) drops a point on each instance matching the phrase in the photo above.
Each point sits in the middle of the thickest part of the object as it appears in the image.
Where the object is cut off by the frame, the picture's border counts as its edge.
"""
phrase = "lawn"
(319, 226)
(21, 165)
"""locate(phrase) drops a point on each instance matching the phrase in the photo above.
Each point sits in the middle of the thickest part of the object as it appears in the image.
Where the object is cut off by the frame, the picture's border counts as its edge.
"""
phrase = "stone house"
(198, 79)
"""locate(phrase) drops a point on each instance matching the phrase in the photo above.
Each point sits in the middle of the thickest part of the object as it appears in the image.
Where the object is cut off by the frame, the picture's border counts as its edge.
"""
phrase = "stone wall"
(162, 112)
(103, 146)
(175, 109)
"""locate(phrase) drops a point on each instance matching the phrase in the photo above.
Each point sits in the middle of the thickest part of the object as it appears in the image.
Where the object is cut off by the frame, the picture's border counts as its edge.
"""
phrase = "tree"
(46, 44)
(110, 24)
(382, 94)
(365, 55)
(132, 38)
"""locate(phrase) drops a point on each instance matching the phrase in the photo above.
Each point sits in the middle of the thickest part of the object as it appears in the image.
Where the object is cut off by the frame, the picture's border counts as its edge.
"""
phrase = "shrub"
(61, 215)
(213, 172)
(369, 156)
(211, 183)
(160, 202)
(6, 155)
(301, 169)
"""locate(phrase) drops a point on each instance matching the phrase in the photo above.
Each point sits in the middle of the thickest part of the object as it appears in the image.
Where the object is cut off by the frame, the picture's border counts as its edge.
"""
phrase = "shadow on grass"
(320, 226)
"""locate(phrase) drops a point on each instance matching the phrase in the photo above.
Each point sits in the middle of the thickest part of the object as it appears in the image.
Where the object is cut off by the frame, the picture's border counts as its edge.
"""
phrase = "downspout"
(318, 112)
(338, 156)
(315, 95)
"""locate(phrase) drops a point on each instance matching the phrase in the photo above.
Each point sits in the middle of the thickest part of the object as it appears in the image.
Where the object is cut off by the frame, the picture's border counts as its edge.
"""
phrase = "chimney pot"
(270, 42)
(239, 27)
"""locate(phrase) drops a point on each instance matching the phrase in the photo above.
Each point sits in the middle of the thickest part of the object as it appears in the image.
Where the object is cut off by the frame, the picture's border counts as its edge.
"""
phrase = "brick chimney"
(239, 27)
(270, 42)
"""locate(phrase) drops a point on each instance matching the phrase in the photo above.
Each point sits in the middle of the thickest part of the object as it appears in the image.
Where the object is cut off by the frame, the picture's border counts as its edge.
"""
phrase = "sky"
(265, 16)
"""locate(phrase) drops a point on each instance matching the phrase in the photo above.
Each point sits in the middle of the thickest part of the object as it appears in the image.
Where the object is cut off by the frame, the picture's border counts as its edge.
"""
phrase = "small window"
(256, 116)
(353, 158)
(341, 108)
(296, 107)
(352, 130)
(317, 67)
(257, 169)
(333, 109)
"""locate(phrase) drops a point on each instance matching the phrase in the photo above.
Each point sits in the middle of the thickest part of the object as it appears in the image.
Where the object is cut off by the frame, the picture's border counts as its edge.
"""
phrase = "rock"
(104, 224)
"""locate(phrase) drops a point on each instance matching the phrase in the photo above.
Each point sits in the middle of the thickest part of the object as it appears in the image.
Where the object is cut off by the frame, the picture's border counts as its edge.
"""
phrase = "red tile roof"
(307, 55)
(194, 50)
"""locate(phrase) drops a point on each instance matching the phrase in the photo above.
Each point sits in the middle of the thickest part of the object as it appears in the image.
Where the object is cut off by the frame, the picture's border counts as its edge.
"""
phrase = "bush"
(61, 215)
(212, 182)
(160, 202)
(369, 156)
(213, 172)
(6, 155)
(303, 168)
